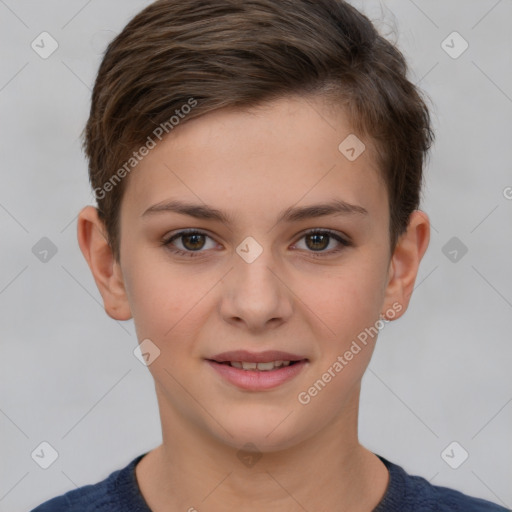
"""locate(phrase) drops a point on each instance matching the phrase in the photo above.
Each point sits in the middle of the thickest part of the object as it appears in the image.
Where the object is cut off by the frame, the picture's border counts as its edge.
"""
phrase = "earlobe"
(405, 261)
(93, 243)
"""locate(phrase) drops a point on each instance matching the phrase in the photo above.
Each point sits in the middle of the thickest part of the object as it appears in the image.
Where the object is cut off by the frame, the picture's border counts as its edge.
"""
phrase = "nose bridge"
(253, 270)
(256, 293)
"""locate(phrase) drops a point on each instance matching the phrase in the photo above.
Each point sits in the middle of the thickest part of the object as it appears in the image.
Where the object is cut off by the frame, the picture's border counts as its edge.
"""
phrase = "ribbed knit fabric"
(119, 492)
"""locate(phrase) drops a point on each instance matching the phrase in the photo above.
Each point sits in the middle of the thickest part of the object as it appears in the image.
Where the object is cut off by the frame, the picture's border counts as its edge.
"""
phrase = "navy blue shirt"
(120, 492)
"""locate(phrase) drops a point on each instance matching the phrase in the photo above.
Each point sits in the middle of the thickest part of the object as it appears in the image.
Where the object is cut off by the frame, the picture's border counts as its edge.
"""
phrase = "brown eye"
(317, 241)
(191, 241)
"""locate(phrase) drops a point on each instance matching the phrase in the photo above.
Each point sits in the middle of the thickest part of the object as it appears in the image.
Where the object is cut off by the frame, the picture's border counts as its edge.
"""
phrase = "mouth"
(262, 367)
(257, 371)
(259, 361)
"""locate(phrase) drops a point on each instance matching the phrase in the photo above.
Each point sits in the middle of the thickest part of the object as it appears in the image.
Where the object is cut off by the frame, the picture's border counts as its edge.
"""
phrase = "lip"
(255, 357)
(256, 380)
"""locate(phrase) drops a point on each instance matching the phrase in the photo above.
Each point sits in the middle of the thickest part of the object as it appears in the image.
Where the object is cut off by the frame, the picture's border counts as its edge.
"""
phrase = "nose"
(255, 292)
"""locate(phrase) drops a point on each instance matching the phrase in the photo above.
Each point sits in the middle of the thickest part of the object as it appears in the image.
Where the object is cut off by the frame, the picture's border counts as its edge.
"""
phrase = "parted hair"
(229, 53)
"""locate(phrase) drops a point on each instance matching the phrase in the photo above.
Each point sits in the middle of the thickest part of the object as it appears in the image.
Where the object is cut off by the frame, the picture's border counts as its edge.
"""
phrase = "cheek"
(347, 300)
(168, 305)
(156, 298)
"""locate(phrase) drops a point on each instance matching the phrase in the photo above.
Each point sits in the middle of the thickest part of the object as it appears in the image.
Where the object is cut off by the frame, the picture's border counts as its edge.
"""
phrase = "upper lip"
(255, 357)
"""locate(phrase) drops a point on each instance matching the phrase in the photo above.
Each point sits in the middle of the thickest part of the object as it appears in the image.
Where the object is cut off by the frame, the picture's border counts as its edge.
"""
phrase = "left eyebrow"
(291, 214)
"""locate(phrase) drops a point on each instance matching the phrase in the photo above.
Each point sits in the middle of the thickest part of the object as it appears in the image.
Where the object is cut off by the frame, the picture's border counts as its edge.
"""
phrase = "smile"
(262, 376)
(264, 367)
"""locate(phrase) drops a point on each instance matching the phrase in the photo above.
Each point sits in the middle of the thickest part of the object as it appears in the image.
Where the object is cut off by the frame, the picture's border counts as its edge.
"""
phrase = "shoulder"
(112, 494)
(83, 499)
(414, 493)
(444, 499)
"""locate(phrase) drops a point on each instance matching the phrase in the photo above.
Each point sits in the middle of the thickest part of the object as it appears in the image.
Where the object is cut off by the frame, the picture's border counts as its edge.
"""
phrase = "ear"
(93, 243)
(405, 262)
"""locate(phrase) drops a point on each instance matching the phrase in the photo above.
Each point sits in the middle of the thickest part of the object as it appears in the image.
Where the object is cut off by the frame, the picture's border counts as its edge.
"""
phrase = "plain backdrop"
(440, 374)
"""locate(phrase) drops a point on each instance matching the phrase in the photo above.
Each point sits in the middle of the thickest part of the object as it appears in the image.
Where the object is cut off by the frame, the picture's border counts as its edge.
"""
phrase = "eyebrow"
(291, 214)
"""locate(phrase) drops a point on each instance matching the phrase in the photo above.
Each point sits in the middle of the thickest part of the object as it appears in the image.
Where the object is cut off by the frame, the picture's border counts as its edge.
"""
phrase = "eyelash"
(318, 254)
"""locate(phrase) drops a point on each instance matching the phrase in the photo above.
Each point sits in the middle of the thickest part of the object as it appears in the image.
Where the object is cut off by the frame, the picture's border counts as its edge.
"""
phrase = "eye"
(317, 240)
(191, 240)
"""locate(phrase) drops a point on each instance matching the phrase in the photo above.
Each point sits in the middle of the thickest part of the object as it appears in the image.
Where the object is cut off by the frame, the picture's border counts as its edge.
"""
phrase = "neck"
(194, 471)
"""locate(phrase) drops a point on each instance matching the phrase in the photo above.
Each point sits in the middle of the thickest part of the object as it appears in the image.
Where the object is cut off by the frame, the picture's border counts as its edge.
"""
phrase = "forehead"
(265, 158)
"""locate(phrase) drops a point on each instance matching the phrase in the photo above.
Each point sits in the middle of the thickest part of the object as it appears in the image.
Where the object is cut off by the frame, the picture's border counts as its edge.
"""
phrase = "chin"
(260, 431)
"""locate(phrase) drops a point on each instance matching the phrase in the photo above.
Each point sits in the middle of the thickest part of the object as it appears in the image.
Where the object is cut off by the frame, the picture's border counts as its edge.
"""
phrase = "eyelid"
(332, 232)
(342, 239)
(309, 231)
(167, 239)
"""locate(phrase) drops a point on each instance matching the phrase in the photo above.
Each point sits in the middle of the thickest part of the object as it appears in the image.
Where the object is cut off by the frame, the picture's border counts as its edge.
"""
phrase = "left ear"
(405, 263)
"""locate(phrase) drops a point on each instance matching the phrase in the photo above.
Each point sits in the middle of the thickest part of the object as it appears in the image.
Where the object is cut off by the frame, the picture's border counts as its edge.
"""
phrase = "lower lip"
(257, 380)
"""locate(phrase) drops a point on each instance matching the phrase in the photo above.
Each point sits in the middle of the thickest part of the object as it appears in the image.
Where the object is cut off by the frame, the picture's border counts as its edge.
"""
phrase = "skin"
(252, 165)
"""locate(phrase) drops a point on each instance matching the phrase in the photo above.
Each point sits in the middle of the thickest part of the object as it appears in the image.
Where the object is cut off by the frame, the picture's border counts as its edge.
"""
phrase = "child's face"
(253, 167)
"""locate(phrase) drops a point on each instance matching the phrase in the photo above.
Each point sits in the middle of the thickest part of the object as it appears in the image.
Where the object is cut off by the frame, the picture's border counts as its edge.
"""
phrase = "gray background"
(439, 374)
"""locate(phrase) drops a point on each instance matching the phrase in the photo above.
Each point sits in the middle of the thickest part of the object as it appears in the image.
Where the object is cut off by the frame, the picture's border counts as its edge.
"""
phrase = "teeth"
(259, 366)
(265, 366)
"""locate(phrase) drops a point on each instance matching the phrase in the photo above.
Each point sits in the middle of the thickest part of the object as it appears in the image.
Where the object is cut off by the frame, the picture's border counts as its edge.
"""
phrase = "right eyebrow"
(291, 214)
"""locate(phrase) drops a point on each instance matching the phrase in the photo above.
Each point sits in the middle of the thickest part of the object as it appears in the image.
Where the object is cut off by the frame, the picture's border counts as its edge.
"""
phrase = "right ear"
(93, 242)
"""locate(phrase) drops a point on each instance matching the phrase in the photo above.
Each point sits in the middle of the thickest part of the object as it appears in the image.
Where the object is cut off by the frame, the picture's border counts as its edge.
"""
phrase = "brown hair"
(229, 53)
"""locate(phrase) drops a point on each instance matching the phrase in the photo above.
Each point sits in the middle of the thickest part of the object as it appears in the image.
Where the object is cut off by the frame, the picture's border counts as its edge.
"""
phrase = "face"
(259, 269)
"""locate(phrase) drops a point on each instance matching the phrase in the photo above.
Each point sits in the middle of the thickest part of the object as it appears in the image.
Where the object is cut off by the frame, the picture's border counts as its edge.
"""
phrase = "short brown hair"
(229, 53)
